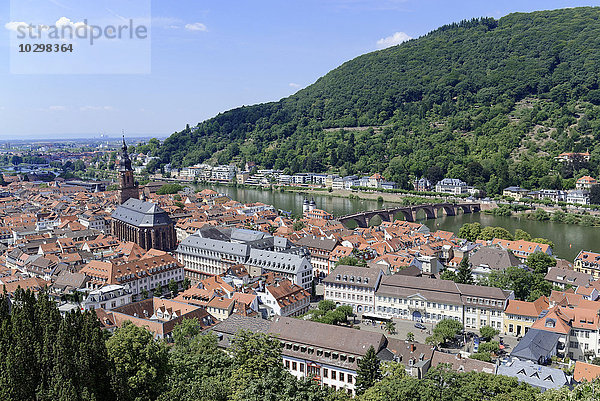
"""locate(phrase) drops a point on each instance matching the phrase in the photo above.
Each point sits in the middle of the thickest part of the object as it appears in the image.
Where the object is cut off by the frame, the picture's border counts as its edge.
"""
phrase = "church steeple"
(128, 188)
(125, 162)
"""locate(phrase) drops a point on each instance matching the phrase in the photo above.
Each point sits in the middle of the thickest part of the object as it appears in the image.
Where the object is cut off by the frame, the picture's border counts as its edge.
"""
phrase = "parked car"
(420, 326)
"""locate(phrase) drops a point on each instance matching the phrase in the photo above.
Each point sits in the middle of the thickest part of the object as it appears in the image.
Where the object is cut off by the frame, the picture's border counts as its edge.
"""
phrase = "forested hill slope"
(489, 101)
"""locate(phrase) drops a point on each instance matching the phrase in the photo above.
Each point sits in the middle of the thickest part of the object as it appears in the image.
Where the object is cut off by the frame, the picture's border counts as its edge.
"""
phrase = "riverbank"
(542, 213)
(383, 197)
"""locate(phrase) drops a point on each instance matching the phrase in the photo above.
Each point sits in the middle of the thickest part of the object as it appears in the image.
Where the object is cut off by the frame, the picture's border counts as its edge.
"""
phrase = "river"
(568, 239)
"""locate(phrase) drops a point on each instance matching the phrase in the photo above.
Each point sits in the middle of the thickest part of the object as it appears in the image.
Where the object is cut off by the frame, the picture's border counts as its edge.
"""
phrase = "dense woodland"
(489, 101)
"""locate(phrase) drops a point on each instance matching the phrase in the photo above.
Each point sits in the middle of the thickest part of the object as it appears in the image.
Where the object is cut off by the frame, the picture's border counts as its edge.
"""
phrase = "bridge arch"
(427, 210)
(444, 210)
(464, 208)
(403, 214)
(375, 220)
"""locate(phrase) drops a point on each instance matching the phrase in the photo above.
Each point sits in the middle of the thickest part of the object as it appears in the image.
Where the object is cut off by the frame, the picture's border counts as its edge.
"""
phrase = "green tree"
(543, 241)
(491, 347)
(351, 261)
(539, 262)
(141, 363)
(144, 293)
(481, 356)
(488, 332)
(595, 195)
(158, 291)
(186, 283)
(326, 305)
(255, 355)
(522, 235)
(541, 215)
(410, 336)
(490, 233)
(169, 189)
(173, 287)
(368, 372)
(470, 231)
(448, 274)
(464, 274)
(447, 329)
(390, 327)
(199, 369)
(44, 356)
(527, 286)
(298, 225)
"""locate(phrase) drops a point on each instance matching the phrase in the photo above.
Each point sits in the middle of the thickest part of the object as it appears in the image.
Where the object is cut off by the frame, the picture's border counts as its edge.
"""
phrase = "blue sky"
(211, 56)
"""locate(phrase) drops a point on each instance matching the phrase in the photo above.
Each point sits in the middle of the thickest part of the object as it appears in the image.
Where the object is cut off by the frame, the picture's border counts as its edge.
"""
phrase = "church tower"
(128, 188)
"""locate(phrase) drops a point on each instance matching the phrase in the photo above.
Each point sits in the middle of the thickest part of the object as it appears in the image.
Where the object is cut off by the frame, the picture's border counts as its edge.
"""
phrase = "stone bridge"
(410, 212)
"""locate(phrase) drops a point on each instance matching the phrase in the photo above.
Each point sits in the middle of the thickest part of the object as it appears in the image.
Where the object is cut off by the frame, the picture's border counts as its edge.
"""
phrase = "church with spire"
(136, 220)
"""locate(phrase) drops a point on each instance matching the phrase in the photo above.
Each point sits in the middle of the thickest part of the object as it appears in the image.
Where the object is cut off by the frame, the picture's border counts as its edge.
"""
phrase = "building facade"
(145, 224)
(213, 251)
(431, 300)
(354, 286)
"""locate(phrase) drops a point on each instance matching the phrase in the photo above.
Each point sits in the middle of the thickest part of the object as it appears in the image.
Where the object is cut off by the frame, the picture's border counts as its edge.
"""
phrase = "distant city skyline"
(209, 57)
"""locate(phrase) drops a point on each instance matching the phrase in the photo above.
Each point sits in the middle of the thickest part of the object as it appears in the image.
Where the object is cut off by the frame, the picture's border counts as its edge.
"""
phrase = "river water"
(568, 239)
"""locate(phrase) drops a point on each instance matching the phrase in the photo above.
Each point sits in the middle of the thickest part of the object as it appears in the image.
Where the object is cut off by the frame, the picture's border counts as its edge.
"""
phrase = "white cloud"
(294, 85)
(393, 40)
(61, 22)
(57, 108)
(196, 26)
(64, 21)
(14, 25)
(96, 108)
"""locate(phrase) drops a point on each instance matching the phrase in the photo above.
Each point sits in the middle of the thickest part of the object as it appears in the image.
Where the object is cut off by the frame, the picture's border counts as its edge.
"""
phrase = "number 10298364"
(46, 48)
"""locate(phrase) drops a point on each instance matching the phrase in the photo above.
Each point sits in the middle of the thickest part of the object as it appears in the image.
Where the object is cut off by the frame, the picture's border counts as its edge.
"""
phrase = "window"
(325, 372)
(349, 378)
(333, 375)
(341, 376)
(287, 364)
(294, 366)
(302, 367)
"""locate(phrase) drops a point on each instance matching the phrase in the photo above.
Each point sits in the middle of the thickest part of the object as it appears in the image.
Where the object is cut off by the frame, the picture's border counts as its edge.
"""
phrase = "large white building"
(108, 297)
(223, 173)
(452, 186)
(354, 286)
(212, 251)
(137, 276)
(431, 300)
